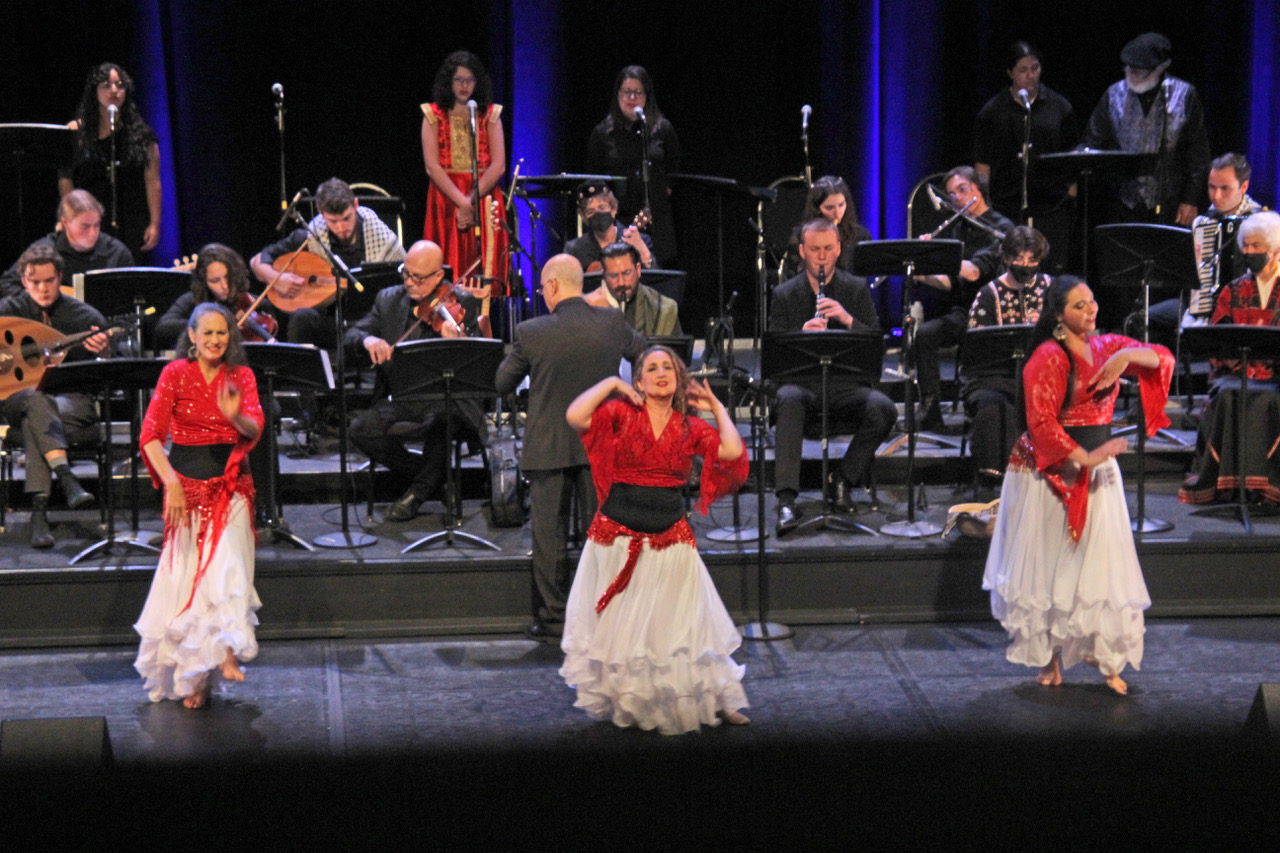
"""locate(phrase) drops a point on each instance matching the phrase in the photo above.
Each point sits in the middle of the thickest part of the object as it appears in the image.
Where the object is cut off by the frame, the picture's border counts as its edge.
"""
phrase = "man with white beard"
(1151, 112)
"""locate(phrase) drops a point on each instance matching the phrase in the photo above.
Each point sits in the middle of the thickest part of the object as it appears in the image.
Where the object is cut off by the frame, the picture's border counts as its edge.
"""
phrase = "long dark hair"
(652, 112)
(135, 136)
(1055, 304)
(442, 89)
(1017, 51)
(824, 187)
(237, 273)
(234, 356)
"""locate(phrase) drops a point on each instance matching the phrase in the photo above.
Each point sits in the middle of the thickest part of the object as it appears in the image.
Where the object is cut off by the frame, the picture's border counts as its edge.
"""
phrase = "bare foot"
(735, 718)
(231, 670)
(1050, 674)
(1117, 684)
(197, 699)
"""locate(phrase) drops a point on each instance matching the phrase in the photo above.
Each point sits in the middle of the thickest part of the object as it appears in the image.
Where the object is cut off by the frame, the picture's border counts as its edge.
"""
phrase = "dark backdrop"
(894, 86)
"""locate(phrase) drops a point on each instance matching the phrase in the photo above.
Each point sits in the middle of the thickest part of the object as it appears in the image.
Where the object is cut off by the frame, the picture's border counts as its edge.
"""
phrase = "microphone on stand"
(278, 91)
(640, 113)
(1025, 98)
(288, 211)
(471, 108)
(804, 118)
(112, 109)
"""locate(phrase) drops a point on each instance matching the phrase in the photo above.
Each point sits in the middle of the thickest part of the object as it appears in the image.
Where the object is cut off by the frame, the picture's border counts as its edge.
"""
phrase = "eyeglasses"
(108, 85)
(414, 277)
(464, 81)
(631, 93)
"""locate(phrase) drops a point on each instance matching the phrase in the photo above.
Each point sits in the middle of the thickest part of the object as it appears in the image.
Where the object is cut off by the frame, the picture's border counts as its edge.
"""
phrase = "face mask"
(600, 222)
(1023, 275)
(1256, 261)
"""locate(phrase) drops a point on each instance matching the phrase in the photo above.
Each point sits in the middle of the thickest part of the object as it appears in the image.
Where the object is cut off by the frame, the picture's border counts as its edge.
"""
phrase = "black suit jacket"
(564, 353)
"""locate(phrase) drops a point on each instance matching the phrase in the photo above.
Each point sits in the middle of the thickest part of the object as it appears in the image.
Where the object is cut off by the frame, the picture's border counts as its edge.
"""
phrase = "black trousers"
(944, 331)
(47, 424)
(551, 494)
(871, 410)
(383, 431)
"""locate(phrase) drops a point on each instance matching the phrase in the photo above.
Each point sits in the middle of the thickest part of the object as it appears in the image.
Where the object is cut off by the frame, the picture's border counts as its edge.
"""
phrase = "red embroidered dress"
(647, 640)
(453, 139)
(185, 407)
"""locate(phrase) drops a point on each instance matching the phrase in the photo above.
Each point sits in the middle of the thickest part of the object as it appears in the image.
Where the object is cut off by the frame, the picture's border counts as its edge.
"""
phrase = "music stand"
(1228, 340)
(682, 345)
(285, 367)
(376, 276)
(807, 359)
(101, 377)
(1088, 162)
(562, 186)
(131, 290)
(29, 146)
(447, 369)
(1147, 256)
(909, 258)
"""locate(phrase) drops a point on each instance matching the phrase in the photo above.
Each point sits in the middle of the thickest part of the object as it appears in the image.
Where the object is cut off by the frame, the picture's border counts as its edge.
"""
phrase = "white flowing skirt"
(1050, 592)
(178, 650)
(658, 657)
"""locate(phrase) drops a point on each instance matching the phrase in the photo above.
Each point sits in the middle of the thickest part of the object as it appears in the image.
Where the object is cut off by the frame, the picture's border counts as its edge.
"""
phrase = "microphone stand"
(1164, 147)
(644, 161)
(535, 216)
(804, 139)
(476, 216)
(115, 227)
(721, 330)
(284, 192)
(1025, 215)
(346, 538)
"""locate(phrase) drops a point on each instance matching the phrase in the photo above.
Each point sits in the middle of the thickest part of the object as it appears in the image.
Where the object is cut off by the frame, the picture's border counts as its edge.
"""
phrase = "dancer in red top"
(1062, 569)
(199, 615)
(647, 640)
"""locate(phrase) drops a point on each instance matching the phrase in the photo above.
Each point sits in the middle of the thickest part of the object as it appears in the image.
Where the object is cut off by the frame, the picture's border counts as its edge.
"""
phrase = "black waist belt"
(645, 509)
(1090, 437)
(200, 462)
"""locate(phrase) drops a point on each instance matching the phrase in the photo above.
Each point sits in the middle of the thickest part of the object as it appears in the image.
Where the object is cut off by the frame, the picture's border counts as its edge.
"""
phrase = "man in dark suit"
(563, 353)
(381, 431)
(846, 304)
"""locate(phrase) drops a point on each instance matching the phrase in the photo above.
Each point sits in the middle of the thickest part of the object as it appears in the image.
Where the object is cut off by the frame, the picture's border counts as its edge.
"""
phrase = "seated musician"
(964, 185)
(1229, 197)
(49, 424)
(830, 198)
(647, 311)
(598, 208)
(219, 276)
(846, 305)
(78, 239)
(381, 431)
(1249, 300)
(1016, 296)
(353, 233)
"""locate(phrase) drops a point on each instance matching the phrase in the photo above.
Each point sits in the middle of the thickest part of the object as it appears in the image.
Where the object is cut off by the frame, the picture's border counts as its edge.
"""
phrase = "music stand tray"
(447, 369)
(682, 345)
(132, 290)
(285, 367)
(1229, 340)
(808, 358)
(100, 377)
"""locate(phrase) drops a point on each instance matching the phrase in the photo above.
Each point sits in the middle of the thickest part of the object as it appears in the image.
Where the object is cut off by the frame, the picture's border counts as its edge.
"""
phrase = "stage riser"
(474, 596)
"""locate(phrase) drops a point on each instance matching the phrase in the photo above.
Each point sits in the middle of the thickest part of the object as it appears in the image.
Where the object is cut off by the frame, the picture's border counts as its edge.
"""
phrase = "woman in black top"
(616, 147)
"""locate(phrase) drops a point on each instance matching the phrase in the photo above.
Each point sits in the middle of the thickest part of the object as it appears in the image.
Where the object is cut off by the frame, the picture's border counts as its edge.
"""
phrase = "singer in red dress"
(452, 220)
(647, 640)
(199, 616)
(1062, 570)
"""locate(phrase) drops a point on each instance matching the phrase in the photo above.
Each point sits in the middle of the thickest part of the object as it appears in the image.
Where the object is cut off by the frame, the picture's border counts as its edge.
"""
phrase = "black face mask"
(1255, 261)
(600, 222)
(1023, 274)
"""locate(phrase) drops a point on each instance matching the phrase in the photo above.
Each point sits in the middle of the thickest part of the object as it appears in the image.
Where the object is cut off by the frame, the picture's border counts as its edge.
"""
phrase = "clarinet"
(822, 290)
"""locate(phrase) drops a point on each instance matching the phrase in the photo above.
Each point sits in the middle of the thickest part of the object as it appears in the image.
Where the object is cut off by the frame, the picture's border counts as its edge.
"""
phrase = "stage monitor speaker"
(56, 742)
(1263, 721)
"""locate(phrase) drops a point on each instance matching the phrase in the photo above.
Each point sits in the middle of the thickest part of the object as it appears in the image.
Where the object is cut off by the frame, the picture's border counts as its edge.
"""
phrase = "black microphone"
(640, 113)
(804, 118)
(728, 306)
(112, 109)
(1025, 98)
(278, 91)
(740, 379)
(289, 208)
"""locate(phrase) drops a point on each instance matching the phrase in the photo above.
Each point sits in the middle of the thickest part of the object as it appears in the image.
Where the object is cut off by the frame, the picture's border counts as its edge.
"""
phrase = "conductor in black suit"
(381, 431)
(846, 305)
(564, 353)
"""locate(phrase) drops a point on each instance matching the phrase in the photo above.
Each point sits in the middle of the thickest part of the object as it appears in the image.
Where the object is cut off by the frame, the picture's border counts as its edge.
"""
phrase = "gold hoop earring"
(1060, 332)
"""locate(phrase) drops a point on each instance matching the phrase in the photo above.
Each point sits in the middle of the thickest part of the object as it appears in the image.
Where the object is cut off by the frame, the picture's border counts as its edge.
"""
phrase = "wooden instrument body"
(29, 348)
(319, 286)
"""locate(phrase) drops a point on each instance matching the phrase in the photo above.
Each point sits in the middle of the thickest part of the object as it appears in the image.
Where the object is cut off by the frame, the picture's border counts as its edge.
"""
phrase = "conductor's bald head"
(561, 279)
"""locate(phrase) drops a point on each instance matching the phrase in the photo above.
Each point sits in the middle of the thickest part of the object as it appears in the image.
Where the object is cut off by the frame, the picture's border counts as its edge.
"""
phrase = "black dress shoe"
(787, 519)
(41, 535)
(543, 632)
(843, 501)
(405, 508)
(930, 416)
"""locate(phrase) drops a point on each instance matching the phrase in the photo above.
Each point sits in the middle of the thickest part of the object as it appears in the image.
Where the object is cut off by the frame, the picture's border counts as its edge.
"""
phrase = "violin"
(442, 306)
(254, 325)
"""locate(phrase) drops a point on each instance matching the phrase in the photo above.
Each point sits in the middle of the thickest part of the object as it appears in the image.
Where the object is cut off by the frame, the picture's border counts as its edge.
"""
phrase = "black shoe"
(787, 519)
(405, 508)
(843, 495)
(77, 497)
(41, 535)
(930, 415)
(544, 632)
